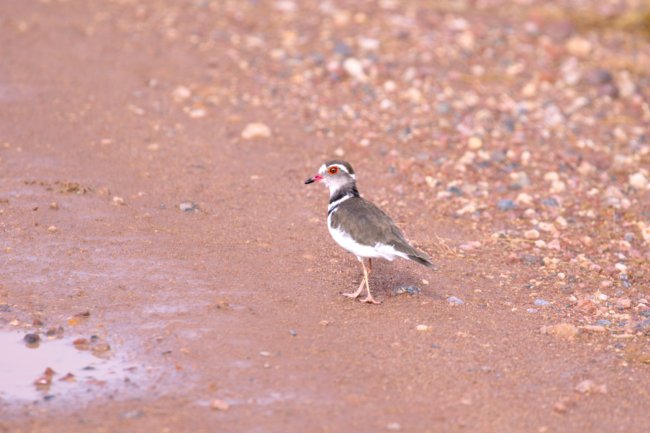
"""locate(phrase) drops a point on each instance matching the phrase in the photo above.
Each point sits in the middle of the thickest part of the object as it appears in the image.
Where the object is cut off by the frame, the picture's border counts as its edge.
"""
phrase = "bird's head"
(335, 174)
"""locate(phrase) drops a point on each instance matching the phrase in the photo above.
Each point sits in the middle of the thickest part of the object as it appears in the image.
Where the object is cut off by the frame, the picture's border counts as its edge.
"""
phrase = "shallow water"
(75, 370)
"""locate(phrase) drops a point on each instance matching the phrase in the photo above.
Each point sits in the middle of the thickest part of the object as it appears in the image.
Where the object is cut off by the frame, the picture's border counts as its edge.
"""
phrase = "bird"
(359, 226)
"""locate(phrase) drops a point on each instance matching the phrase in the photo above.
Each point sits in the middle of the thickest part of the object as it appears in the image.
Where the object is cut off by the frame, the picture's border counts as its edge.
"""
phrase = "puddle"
(54, 368)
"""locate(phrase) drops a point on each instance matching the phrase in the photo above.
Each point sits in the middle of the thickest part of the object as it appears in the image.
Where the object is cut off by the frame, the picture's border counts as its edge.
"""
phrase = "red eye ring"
(333, 170)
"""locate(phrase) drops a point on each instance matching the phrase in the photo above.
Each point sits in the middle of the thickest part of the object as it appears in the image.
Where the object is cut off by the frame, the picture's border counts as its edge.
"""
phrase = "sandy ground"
(114, 113)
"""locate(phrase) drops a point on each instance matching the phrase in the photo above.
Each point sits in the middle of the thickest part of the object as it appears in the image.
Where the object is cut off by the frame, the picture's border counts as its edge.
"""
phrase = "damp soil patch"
(37, 368)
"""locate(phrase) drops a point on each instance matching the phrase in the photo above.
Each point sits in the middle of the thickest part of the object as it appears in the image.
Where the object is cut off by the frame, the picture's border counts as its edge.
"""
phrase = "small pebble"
(531, 234)
(255, 130)
(221, 405)
(410, 290)
(355, 69)
(561, 330)
(452, 300)
(506, 204)
(32, 339)
(541, 302)
(474, 143)
(422, 328)
(188, 206)
(588, 386)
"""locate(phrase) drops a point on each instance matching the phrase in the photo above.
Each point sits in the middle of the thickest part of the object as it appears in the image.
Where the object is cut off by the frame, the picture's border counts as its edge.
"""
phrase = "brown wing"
(369, 225)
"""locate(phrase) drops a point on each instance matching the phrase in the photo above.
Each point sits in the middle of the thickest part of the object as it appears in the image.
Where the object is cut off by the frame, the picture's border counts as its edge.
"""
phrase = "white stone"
(255, 130)
(355, 69)
(638, 180)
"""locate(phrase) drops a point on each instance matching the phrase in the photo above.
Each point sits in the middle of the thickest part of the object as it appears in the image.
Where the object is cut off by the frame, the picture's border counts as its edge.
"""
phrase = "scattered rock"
(355, 69)
(181, 93)
(541, 303)
(68, 378)
(45, 380)
(188, 206)
(598, 76)
(393, 426)
(423, 328)
(643, 327)
(452, 300)
(220, 405)
(32, 339)
(256, 130)
(579, 47)
(623, 303)
(593, 328)
(410, 290)
(474, 143)
(531, 234)
(118, 201)
(561, 330)
(638, 180)
(588, 386)
(81, 344)
(506, 204)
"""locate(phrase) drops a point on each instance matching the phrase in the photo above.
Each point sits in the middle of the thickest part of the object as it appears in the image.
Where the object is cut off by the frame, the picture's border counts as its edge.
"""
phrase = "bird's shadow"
(390, 279)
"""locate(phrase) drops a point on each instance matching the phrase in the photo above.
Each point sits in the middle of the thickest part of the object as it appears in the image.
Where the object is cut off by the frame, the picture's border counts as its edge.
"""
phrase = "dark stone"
(609, 89)
(598, 76)
(644, 327)
(567, 289)
(410, 290)
(342, 49)
(498, 156)
(506, 204)
(509, 124)
(32, 338)
(531, 260)
(550, 201)
(443, 108)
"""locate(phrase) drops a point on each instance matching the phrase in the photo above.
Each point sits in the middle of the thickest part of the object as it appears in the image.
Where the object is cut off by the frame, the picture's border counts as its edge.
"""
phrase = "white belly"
(387, 252)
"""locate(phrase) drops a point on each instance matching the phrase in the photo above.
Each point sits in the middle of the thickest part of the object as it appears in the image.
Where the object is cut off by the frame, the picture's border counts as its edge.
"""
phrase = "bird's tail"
(422, 259)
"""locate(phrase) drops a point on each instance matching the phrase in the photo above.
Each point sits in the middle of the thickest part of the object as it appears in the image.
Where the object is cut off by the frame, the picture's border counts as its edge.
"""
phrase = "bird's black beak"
(316, 178)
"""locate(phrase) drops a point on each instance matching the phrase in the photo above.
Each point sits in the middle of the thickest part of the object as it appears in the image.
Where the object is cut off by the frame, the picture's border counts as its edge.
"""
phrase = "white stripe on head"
(344, 168)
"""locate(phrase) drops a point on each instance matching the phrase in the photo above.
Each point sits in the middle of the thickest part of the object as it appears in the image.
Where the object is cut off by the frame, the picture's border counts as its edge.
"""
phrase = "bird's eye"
(333, 170)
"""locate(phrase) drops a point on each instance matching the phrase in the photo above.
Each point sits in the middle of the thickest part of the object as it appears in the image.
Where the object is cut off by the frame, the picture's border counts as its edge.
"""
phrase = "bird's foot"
(370, 300)
(356, 294)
